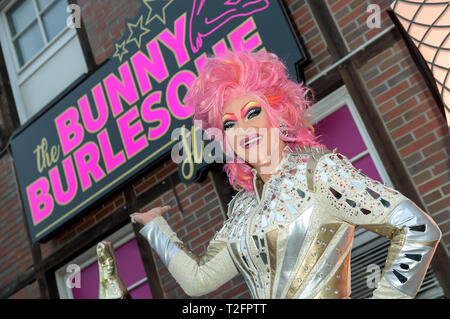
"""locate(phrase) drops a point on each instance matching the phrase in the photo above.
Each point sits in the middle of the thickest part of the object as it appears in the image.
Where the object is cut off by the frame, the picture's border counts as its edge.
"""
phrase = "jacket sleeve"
(197, 276)
(360, 200)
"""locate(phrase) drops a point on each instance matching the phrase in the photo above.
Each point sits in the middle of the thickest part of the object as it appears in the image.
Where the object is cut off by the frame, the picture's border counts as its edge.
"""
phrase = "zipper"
(252, 217)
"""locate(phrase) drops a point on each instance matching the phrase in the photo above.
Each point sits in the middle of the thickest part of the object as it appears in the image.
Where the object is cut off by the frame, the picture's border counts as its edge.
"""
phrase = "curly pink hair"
(263, 75)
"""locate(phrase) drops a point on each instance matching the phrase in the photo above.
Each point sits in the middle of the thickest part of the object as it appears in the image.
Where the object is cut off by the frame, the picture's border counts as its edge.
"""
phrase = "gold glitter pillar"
(110, 284)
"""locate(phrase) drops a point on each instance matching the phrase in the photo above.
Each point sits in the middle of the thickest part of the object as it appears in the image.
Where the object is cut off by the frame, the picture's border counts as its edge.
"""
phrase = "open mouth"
(251, 141)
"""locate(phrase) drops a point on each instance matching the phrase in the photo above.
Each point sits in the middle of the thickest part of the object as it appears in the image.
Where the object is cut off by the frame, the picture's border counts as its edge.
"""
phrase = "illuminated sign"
(120, 119)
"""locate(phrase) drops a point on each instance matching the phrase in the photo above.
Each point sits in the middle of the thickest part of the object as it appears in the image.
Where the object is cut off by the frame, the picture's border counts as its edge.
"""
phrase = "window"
(33, 24)
(43, 55)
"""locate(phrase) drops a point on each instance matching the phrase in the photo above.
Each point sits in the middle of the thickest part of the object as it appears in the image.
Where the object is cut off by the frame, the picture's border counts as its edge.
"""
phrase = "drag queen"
(290, 227)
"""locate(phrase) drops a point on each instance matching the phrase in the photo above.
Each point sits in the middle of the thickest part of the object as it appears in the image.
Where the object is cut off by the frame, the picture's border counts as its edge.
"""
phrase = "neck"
(267, 166)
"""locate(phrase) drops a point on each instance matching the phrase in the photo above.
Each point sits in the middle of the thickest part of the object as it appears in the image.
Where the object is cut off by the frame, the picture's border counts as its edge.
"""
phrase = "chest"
(259, 228)
(282, 201)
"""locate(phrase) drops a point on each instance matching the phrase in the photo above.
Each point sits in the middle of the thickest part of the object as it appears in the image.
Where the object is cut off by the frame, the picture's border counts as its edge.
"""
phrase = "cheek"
(231, 138)
(262, 120)
(262, 123)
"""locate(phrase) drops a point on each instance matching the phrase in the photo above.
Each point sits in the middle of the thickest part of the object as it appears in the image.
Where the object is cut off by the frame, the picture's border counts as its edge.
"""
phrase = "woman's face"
(248, 130)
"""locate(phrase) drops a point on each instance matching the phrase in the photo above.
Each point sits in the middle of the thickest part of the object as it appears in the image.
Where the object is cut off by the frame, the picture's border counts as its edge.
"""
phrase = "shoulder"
(311, 160)
(234, 202)
(311, 155)
(232, 212)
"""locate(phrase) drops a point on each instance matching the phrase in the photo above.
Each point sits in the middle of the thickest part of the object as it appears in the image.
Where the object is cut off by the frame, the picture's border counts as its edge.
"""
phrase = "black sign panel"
(121, 119)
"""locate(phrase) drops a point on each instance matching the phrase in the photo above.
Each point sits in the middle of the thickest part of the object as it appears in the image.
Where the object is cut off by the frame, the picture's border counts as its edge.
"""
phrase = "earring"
(283, 132)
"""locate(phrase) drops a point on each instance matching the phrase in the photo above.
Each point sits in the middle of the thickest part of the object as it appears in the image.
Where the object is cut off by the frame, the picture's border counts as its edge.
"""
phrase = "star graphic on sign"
(157, 9)
(121, 50)
(137, 31)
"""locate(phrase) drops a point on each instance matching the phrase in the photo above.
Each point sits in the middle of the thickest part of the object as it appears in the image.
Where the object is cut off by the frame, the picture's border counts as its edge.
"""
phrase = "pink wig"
(247, 73)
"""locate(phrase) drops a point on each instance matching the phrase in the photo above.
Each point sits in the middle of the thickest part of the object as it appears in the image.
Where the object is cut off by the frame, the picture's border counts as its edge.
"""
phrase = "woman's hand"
(145, 217)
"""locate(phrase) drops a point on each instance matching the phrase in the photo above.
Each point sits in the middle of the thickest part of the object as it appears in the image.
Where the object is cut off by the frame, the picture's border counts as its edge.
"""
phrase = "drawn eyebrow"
(248, 106)
(229, 116)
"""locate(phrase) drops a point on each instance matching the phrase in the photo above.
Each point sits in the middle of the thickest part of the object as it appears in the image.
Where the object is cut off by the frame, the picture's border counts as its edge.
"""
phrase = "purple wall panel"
(141, 292)
(129, 263)
(89, 283)
(339, 130)
(368, 168)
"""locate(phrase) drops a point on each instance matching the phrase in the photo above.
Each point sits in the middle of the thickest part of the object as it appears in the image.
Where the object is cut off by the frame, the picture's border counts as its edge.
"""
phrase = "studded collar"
(258, 183)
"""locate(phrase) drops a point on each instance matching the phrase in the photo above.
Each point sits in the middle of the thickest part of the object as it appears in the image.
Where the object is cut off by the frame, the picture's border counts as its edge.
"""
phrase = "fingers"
(145, 217)
(165, 209)
(137, 218)
(161, 210)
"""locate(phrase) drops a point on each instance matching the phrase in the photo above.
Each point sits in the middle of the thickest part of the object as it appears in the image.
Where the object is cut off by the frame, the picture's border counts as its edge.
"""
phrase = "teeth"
(252, 140)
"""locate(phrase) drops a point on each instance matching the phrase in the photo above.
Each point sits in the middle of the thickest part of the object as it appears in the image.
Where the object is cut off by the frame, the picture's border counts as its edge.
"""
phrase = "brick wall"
(351, 16)
(104, 21)
(15, 252)
(90, 219)
(313, 40)
(29, 292)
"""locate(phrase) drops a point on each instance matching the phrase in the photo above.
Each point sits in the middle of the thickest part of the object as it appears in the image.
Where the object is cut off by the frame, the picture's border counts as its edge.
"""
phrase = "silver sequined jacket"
(292, 236)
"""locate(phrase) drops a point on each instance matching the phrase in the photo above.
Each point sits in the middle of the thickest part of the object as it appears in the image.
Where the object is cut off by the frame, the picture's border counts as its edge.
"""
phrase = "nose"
(246, 131)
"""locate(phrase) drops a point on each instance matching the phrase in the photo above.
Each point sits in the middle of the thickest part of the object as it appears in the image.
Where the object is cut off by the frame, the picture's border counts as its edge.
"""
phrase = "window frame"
(18, 75)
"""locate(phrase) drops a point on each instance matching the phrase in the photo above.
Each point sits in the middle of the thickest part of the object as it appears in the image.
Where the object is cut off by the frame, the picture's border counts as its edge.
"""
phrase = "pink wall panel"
(89, 283)
(339, 130)
(368, 168)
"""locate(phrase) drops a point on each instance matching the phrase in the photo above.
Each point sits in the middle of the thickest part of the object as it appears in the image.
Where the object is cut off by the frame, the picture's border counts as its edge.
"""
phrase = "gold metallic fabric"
(111, 285)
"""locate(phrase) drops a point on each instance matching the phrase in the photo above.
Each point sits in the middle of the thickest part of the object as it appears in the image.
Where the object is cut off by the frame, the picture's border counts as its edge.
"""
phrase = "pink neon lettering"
(70, 132)
(185, 78)
(91, 124)
(86, 159)
(111, 161)
(116, 89)
(219, 49)
(176, 43)
(154, 66)
(200, 62)
(61, 196)
(228, 11)
(238, 35)
(159, 114)
(129, 131)
(41, 202)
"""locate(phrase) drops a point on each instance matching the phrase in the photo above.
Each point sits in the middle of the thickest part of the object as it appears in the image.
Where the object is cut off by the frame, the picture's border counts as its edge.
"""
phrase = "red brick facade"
(410, 115)
(15, 250)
